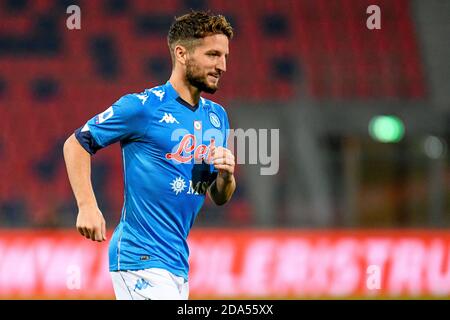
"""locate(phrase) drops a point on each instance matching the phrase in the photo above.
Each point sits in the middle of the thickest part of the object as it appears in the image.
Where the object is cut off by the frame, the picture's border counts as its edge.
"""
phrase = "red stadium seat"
(334, 56)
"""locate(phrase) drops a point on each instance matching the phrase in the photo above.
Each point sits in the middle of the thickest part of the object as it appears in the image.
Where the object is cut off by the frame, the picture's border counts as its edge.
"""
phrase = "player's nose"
(222, 64)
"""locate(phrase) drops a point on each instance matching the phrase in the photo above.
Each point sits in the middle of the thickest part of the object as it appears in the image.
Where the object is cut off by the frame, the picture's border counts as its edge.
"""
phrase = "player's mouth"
(214, 76)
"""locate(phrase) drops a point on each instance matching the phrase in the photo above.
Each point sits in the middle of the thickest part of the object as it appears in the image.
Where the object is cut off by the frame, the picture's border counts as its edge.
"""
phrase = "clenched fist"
(223, 161)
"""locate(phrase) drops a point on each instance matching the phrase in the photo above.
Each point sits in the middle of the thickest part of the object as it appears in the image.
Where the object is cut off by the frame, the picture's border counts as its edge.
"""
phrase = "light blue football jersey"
(165, 146)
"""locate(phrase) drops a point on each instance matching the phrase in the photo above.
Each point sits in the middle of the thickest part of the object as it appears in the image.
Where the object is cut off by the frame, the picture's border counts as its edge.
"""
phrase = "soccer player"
(174, 151)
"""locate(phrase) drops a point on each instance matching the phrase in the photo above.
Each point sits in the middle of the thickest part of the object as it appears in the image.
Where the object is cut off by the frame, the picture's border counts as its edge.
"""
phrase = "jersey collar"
(173, 94)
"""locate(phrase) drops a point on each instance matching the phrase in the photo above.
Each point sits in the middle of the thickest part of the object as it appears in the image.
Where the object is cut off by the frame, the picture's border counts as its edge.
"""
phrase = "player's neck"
(187, 92)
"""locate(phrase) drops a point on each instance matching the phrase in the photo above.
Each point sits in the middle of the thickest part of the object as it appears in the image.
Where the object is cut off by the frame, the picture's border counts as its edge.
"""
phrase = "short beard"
(195, 78)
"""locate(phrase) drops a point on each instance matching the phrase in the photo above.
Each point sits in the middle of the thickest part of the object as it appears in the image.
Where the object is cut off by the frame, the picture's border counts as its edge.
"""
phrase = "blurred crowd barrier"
(271, 264)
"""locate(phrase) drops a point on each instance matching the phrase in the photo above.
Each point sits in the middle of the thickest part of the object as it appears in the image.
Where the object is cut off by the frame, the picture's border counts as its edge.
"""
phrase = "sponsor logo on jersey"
(188, 150)
(178, 185)
(168, 118)
(199, 188)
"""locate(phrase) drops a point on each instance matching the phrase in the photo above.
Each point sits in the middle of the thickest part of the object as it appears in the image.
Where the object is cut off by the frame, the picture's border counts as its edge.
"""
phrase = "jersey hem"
(151, 264)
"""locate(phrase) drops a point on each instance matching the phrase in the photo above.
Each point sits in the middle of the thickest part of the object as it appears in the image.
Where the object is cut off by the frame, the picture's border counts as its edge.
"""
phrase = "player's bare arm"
(221, 190)
(90, 222)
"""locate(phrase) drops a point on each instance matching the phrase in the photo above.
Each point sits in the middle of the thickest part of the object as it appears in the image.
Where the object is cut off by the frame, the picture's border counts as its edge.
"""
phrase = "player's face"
(207, 63)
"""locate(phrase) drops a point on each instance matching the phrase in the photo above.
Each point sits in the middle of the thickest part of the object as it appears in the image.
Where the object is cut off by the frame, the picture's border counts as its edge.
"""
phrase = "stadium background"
(356, 196)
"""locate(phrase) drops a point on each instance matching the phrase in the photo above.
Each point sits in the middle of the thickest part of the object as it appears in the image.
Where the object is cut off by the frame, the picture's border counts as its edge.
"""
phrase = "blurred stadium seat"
(53, 79)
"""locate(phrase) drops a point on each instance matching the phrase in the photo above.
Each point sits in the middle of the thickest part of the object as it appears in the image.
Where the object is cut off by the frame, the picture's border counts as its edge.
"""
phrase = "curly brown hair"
(188, 29)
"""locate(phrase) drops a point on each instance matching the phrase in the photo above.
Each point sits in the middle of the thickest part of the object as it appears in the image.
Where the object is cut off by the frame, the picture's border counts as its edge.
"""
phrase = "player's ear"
(180, 54)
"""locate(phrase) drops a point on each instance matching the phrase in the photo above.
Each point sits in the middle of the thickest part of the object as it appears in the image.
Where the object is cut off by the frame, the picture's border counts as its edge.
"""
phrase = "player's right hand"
(91, 224)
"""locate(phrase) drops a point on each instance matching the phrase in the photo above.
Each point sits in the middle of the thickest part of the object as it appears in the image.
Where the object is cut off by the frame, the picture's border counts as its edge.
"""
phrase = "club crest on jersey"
(214, 119)
(188, 150)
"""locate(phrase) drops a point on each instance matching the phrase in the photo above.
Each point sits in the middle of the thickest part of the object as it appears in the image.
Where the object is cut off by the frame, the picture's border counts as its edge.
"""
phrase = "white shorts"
(149, 284)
